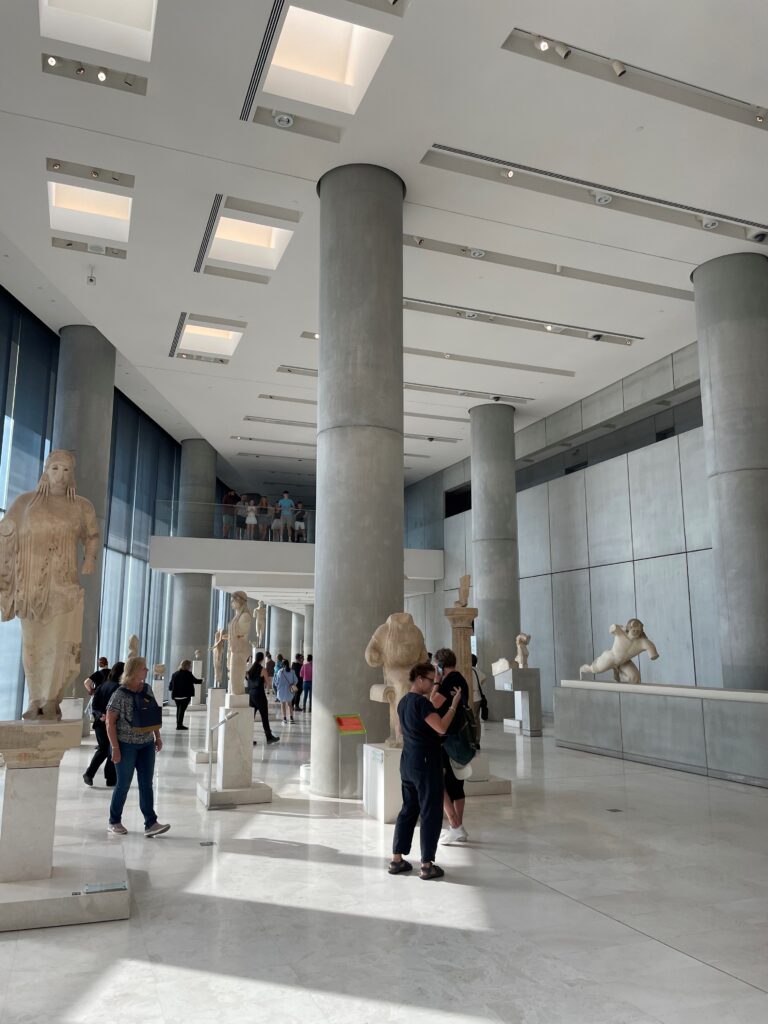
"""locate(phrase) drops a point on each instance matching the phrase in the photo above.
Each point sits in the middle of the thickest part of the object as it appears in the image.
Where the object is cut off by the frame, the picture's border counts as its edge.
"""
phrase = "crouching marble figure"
(396, 646)
(628, 643)
(39, 555)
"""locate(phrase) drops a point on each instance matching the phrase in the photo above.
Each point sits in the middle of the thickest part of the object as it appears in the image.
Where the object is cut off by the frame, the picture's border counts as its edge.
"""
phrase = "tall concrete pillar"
(495, 569)
(297, 634)
(731, 296)
(280, 625)
(191, 618)
(82, 422)
(359, 534)
(309, 627)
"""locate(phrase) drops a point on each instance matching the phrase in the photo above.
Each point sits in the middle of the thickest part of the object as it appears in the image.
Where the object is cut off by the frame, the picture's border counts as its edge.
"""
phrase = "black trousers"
(453, 787)
(102, 755)
(422, 783)
(297, 695)
(260, 706)
(182, 703)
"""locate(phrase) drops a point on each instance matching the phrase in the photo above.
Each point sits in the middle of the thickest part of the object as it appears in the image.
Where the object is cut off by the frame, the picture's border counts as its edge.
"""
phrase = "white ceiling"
(444, 79)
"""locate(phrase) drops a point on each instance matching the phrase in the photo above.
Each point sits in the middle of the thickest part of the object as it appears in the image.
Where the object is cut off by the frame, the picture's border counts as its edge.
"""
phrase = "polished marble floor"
(600, 892)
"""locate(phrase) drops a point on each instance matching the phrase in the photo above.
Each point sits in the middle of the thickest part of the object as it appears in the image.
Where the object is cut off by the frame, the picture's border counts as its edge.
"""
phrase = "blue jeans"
(139, 758)
(307, 691)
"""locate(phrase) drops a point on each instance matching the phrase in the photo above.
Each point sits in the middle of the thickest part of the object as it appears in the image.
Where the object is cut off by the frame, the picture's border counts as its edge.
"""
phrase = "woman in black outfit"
(421, 771)
(99, 702)
(258, 697)
(453, 801)
(182, 689)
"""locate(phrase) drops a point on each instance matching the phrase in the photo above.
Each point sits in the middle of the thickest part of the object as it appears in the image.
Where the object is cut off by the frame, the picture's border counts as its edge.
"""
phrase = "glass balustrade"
(268, 524)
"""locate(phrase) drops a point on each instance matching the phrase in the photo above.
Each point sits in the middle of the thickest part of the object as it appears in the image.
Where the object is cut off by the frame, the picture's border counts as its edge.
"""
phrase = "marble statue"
(260, 618)
(502, 665)
(522, 641)
(463, 601)
(39, 555)
(133, 647)
(396, 646)
(628, 643)
(158, 671)
(218, 645)
(239, 643)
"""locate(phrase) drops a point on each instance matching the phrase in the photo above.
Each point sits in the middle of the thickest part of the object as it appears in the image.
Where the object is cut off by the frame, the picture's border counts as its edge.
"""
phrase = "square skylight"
(244, 243)
(205, 336)
(89, 211)
(117, 26)
(325, 61)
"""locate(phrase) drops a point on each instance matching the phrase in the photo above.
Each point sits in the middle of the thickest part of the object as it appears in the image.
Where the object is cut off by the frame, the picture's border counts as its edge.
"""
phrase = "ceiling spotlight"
(80, 71)
(101, 74)
(94, 174)
(629, 341)
(618, 68)
(542, 44)
(562, 51)
(56, 166)
(283, 120)
(603, 198)
(756, 234)
(471, 314)
(477, 254)
(52, 62)
(548, 327)
(594, 336)
(417, 240)
(759, 117)
(446, 355)
(316, 336)
(709, 223)
(509, 173)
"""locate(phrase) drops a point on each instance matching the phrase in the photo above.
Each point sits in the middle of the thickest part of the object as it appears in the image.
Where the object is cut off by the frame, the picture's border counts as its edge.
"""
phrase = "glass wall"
(29, 353)
(143, 483)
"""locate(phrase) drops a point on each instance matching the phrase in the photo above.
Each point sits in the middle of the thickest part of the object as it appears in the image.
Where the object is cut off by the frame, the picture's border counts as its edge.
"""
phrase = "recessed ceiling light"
(709, 223)
(603, 198)
(56, 166)
(471, 314)
(94, 174)
(477, 254)
(509, 173)
(417, 240)
(542, 44)
(101, 74)
(446, 355)
(80, 71)
(283, 120)
(316, 336)
(52, 62)
(759, 117)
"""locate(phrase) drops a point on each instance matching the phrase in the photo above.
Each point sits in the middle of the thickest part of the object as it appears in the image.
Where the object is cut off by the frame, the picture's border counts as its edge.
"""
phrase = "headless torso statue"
(239, 644)
(396, 646)
(40, 537)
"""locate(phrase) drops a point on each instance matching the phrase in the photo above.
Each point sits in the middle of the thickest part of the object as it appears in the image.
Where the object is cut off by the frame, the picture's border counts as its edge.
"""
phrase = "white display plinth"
(29, 818)
(72, 707)
(524, 686)
(158, 688)
(213, 705)
(198, 697)
(382, 790)
(234, 764)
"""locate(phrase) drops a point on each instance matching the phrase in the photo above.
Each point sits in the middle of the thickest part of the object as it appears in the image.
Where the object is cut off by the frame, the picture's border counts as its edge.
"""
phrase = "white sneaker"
(453, 835)
(464, 835)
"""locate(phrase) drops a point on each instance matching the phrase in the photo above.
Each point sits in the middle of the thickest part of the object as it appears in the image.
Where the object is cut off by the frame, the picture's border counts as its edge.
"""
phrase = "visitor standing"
(228, 503)
(286, 683)
(296, 665)
(241, 511)
(99, 676)
(421, 771)
(133, 727)
(286, 506)
(306, 683)
(263, 516)
(451, 679)
(182, 689)
(257, 696)
(99, 703)
(478, 697)
(300, 523)
(251, 520)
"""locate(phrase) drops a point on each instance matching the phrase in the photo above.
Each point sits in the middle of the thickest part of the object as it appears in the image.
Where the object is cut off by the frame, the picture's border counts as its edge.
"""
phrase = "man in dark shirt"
(453, 801)
(296, 669)
(97, 677)
(99, 702)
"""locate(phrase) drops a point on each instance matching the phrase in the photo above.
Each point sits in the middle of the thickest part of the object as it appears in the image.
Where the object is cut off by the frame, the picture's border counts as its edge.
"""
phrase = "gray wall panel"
(663, 728)
(612, 598)
(661, 589)
(609, 527)
(602, 405)
(568, 523)
(693, 473)
(530, 439)
(536, 619)
(656, 500)
(649, 383)
(572, 621)
(736, 737)
(563, 423)
(533, 531)
(704, 620)
(685, 365)
(456, 475)
(454, 545)
(588, 718)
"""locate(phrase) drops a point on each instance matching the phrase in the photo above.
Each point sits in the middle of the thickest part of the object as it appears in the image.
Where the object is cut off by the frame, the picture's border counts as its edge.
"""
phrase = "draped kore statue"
(239, 644)
(40, 538)
(217, 647)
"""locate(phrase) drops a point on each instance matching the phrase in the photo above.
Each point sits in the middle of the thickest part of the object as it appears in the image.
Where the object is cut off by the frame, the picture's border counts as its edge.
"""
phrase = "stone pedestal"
(524, 685)
(462, 620)
(382, 791)
(72, 707)
(234, 763)
(213, 705)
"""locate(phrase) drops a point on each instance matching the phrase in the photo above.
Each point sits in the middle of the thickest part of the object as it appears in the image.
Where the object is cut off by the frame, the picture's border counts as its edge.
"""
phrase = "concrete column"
(191, 618)
(309, 626)
(495, 571)
(297, 634)
(731, 296)
(359, 533)
(280, 624)
(82, 422)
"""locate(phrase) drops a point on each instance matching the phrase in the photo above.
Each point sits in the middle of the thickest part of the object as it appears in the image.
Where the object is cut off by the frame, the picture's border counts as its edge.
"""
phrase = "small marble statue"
(522, 641)
(198, 654)
(628, 644)
(39, 555)
(463, 601)
(502, 665)
(218, 645)
(158, 671)
(239, 643)
(260, 619)
(396, 646)
(133, 647)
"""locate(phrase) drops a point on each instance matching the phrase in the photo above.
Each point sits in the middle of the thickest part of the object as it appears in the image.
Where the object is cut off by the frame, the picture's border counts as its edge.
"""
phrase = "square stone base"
(258, 793)
(198, 757)
(492, 786)
(89, 884)
(382, 789)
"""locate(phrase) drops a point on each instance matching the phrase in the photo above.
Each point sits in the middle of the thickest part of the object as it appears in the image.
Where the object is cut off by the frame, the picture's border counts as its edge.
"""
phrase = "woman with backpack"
(133, 726)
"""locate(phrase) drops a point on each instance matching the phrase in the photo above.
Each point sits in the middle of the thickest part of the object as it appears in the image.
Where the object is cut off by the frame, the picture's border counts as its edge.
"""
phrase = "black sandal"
(433, 871)
(399, 867)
